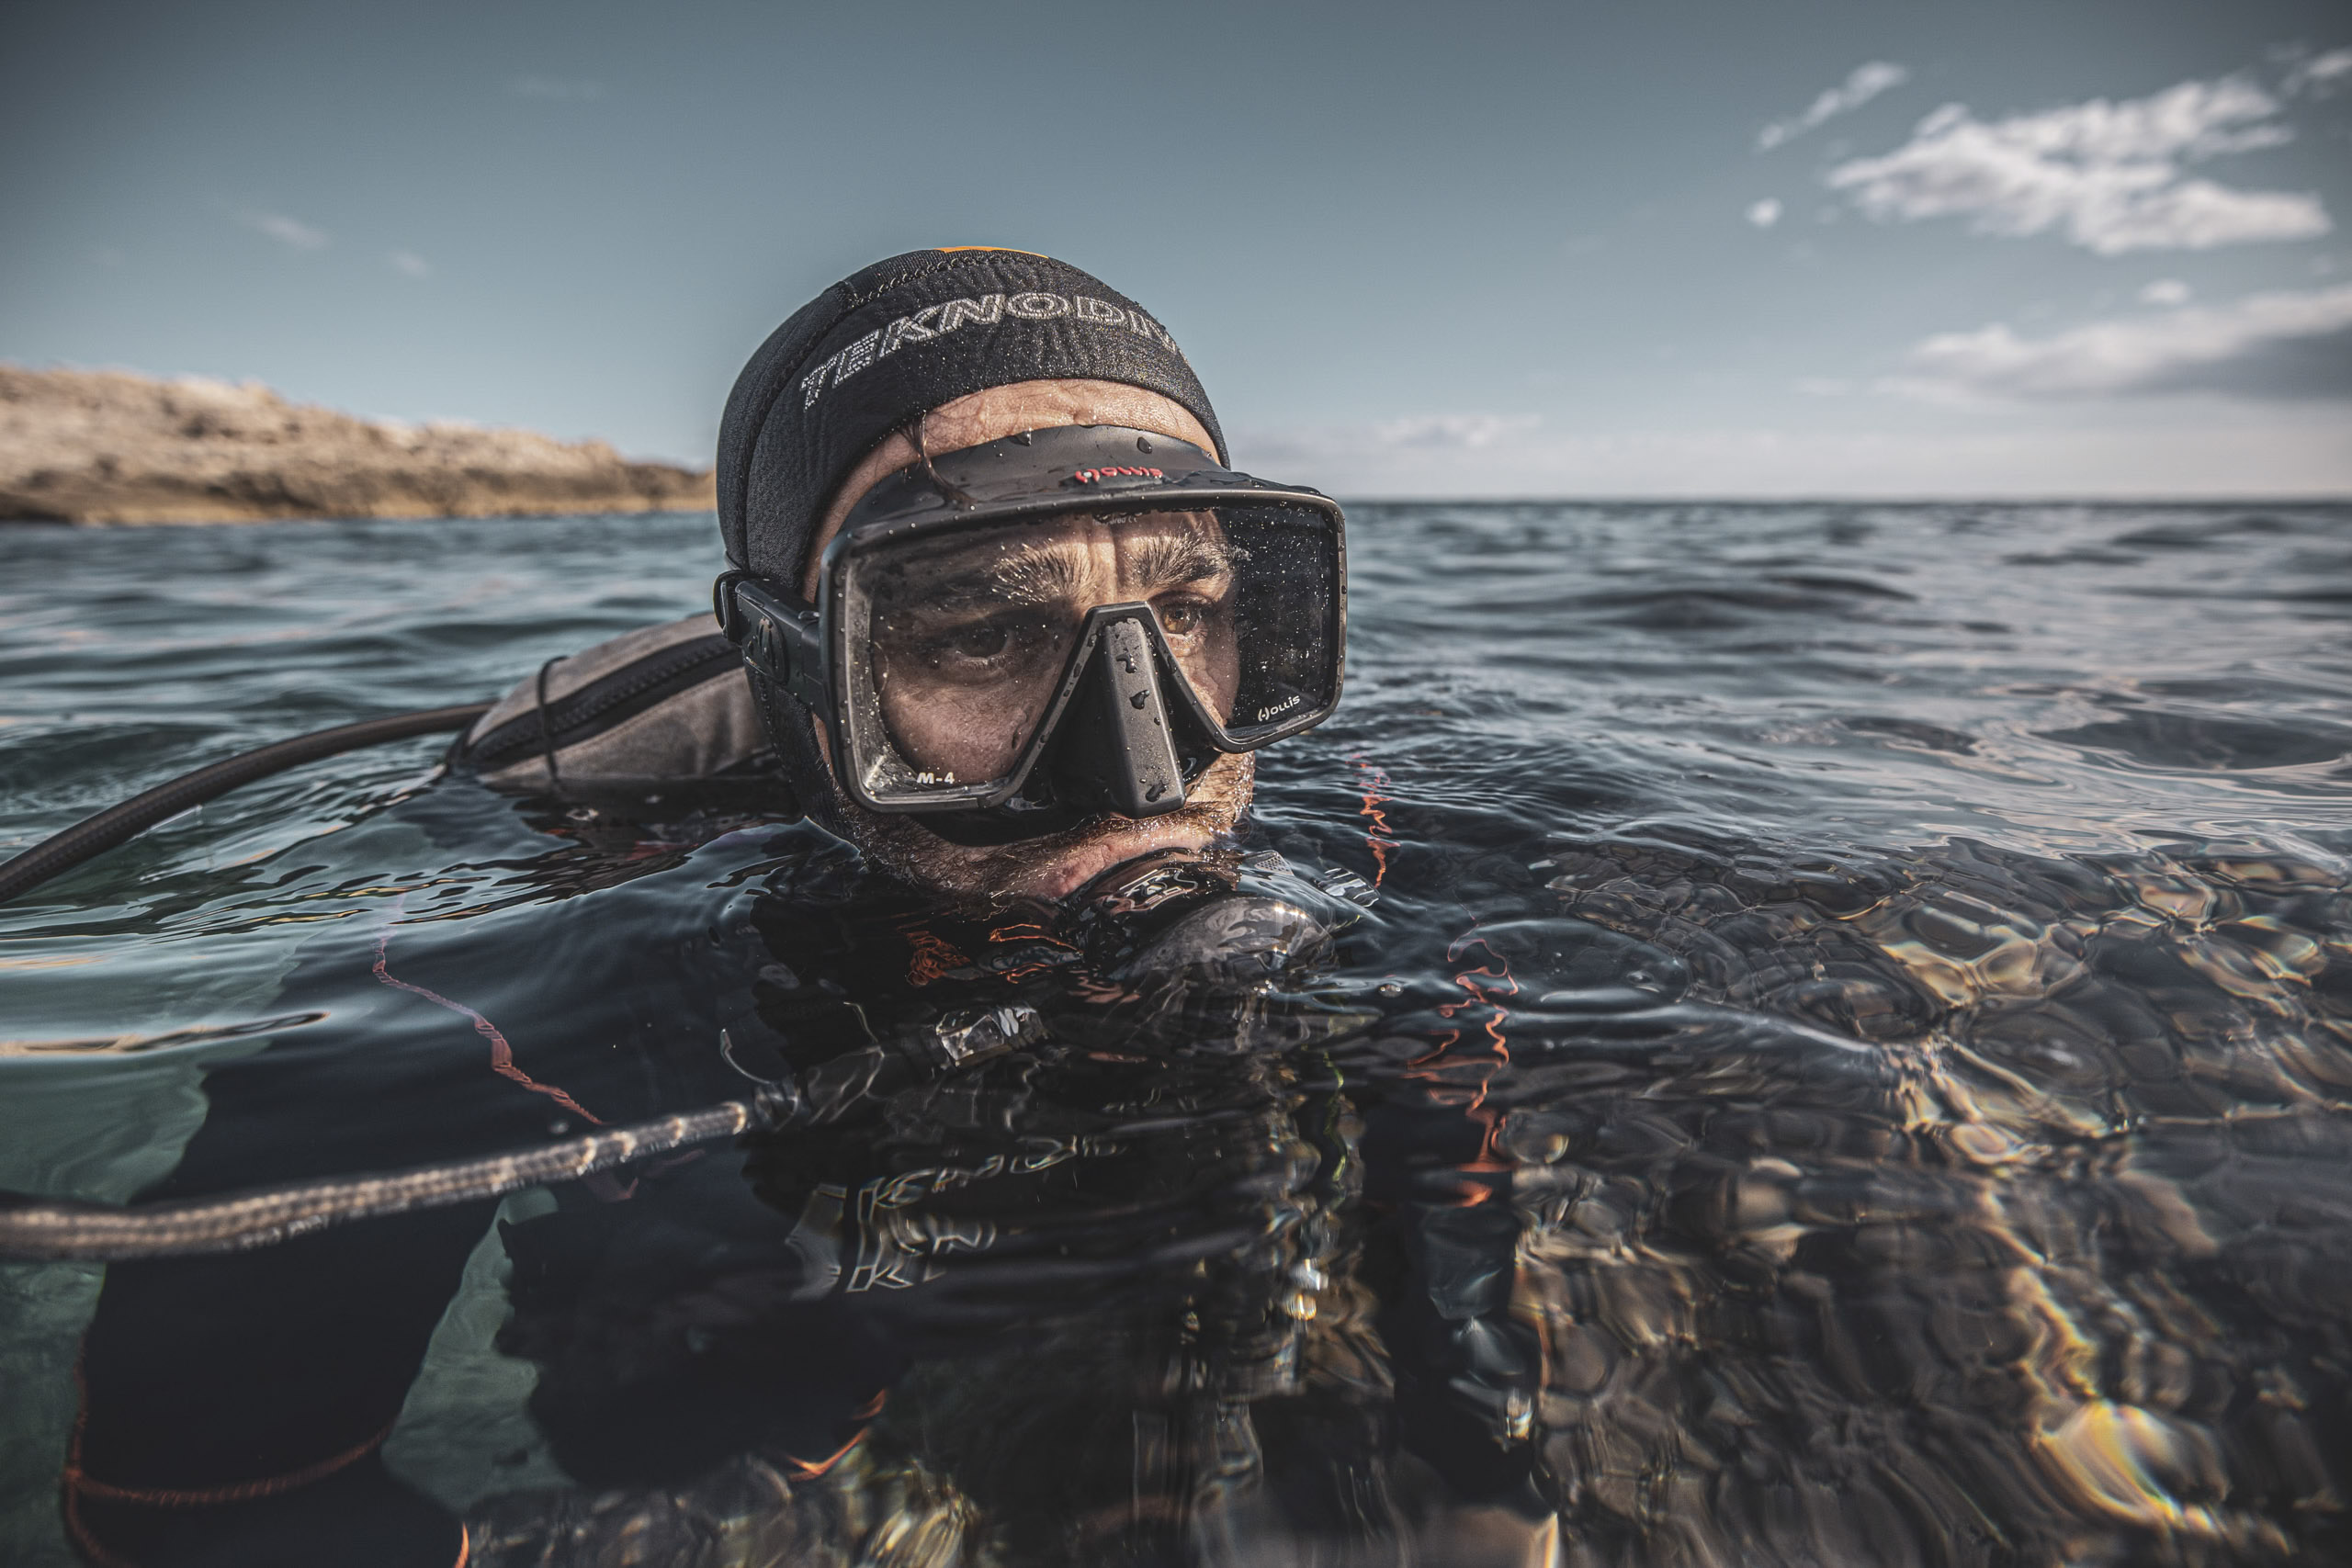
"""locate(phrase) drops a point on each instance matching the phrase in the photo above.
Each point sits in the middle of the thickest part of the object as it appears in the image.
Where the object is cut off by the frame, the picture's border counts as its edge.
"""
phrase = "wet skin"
(1056, 865)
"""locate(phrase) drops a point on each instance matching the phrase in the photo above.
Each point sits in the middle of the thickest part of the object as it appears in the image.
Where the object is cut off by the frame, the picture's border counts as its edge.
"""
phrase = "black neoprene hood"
(894, 340)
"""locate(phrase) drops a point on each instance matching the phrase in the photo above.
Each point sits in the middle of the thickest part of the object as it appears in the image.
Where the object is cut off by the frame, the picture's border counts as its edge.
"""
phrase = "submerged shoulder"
(666, 705)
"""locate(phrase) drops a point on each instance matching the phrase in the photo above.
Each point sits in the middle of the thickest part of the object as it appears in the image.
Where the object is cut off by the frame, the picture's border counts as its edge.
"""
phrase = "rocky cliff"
(105, 447)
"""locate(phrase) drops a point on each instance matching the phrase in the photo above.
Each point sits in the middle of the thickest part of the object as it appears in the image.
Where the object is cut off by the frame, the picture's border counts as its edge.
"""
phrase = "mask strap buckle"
(780, 640)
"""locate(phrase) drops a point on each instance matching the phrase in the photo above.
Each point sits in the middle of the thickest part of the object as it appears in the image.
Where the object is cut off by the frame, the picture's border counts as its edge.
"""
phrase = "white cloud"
(2165, 291)
(290, 232)
(2110, 175)
(2321, 71)
(1860, 85)
(410, 264)
(1458, 431)
(2285, 346)
(1764, 213)
(558, 89)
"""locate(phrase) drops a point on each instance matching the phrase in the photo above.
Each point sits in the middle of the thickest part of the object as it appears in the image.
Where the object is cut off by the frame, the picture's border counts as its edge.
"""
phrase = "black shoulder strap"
(602, 704)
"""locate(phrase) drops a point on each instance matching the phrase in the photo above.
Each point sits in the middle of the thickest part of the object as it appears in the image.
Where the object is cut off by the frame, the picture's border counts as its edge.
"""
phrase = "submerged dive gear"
(1165, 920)
(1015, 638)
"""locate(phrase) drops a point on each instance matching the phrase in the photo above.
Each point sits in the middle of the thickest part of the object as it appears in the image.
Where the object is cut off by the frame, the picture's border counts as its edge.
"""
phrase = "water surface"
(1846, 1065)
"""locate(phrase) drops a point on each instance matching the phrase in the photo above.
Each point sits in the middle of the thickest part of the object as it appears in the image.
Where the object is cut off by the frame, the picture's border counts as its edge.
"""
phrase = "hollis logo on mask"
(938, 320)
(1088, 476)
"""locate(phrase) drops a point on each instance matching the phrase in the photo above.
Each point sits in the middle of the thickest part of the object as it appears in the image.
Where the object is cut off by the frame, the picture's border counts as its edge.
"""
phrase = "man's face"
(972, 636)
(974, 626)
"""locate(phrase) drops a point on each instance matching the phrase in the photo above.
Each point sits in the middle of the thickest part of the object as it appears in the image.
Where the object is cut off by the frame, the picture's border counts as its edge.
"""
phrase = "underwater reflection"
(1970, 1208)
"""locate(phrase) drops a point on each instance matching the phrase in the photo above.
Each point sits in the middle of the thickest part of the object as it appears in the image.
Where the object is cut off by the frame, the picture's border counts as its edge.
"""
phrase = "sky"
(1731, 248)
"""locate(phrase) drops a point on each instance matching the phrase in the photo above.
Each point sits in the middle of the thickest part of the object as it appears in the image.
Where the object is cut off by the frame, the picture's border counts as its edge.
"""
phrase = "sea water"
(1843, 1059)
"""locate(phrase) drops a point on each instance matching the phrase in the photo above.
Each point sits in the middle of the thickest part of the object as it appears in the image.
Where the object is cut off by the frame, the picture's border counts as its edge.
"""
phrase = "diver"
(998, 616)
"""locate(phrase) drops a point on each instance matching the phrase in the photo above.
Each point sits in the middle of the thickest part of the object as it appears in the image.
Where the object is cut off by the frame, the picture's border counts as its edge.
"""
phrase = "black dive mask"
(1013, 638)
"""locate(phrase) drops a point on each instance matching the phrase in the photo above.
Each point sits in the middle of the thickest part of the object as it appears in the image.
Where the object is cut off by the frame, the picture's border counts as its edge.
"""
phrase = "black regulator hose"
(95, 835)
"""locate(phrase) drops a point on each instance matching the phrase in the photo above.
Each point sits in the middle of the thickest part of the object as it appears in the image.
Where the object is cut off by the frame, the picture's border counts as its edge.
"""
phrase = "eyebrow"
(1184, 559)
(1040, 574)
(1031, 576)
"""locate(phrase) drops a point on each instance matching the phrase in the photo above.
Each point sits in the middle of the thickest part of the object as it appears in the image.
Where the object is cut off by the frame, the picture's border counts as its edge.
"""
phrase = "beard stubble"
(1213, 806)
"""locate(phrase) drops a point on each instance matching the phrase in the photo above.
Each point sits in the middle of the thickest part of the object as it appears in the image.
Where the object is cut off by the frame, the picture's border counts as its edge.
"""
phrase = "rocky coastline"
(110, 447)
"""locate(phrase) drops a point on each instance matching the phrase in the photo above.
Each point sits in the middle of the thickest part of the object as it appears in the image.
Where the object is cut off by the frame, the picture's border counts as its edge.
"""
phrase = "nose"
(1117, 752)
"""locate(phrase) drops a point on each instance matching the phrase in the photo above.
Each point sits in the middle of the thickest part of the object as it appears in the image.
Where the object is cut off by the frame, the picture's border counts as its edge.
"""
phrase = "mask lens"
(965, 641)
(961, 642)
(1286, 619)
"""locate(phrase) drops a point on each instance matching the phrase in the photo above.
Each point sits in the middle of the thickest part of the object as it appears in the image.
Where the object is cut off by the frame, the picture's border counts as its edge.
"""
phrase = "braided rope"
(52, 1229)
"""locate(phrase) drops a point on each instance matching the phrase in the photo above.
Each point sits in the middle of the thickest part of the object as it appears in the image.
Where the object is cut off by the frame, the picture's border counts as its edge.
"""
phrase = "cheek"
(1226, 785)
(1224, 674)
(1213, 667)
(967, 731)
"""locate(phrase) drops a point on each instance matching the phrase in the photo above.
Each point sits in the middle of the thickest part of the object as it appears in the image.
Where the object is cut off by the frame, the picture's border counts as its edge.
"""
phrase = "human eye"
(1182, 615)
(1192, 605)
(986, 647)
(988, 639)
